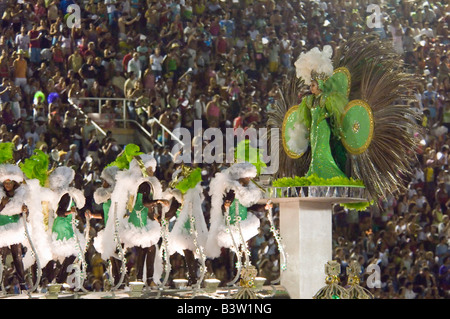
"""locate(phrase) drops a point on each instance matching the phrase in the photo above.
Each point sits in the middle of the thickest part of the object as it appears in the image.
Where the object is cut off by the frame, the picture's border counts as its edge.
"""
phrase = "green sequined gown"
(317, 112)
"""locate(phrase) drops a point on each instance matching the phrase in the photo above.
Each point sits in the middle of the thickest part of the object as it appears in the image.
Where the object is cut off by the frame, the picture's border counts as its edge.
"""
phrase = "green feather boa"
(123, 160)
(190, 181)
(36, 167)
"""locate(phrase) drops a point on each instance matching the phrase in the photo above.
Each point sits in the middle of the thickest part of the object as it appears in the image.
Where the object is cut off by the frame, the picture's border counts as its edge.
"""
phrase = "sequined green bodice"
(4, 219)
(138, 217)
(242, 211)
(106, 205)
(322, 161)
(62, 226)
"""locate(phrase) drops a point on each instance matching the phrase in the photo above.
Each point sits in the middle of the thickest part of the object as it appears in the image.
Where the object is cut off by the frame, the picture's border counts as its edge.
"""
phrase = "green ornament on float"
(357, 126)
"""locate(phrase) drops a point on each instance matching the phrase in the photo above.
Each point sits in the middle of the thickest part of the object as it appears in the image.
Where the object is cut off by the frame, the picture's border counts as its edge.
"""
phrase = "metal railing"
(97, 127)
(101, 99)
(165, 129)
(125, 120)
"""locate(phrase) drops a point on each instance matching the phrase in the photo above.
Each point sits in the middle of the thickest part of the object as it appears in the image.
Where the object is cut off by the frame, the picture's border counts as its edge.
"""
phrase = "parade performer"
(12, 234)
(233, 192)
(67, 242)
(108, 242)
(102, 195)
(355, 125)
(137, 193)
(35, 168)
(317, 108)
(189, 232)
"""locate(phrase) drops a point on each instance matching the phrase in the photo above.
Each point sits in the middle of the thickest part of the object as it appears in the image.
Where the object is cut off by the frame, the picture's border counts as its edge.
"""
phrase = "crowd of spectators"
(223, 62)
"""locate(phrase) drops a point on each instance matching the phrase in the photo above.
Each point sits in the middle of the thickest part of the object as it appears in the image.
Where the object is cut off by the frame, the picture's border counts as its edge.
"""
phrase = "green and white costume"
(359, 122)
(137, 229)
(245, 197)
(180, 237)
(63, 240)
(36, 195)
(105, 237)
(11, 224)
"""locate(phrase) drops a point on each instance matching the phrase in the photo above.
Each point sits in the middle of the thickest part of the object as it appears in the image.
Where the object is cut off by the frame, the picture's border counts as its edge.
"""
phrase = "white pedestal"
(306, 230)
(306, 234)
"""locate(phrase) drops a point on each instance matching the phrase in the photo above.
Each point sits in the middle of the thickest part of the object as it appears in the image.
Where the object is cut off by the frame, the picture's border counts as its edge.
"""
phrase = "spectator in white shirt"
(409, 293)
(156, 60)
(200, 107)
(134, 65)
(427, 31)
(22, 40)
(72, 156)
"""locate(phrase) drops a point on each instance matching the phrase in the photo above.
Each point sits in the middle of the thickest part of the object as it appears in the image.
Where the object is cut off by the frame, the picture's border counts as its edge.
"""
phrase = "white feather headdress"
(314, 60)
(61, 178)
(11, 172)
(109, 174)
(148, 160)
(242, 170)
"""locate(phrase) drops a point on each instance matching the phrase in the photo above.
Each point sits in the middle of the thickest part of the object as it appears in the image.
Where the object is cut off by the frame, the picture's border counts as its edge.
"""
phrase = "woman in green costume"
(358, 119)
(320, 112)
(137, 194)
(12, 234)
(322, 108)
(66, 240)
(102, 195)
(186, 198)
(232, 190)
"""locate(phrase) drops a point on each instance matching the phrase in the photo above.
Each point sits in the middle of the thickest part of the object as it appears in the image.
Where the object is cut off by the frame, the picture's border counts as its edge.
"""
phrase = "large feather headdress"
(376, 78)
(314, 64)
(61, 178)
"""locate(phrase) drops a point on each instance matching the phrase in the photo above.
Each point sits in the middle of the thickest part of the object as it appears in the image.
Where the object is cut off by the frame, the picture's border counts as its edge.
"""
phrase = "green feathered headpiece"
(6, 152)
(190, 179)
(246, 153)
(36, 167)
(123, 160)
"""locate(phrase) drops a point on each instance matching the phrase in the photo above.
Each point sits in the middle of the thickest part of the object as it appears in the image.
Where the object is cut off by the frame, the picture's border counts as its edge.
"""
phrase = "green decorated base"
(314, 180)
(336, 186)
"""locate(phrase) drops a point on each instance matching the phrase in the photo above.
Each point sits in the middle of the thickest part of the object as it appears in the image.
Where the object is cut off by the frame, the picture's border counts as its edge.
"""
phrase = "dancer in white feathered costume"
(102, 196)
(12, 232)
(232, 187)
(66, 240)
(137, 193)
(37, 200)
(187, 241)
(105, 239)
(180, 238)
